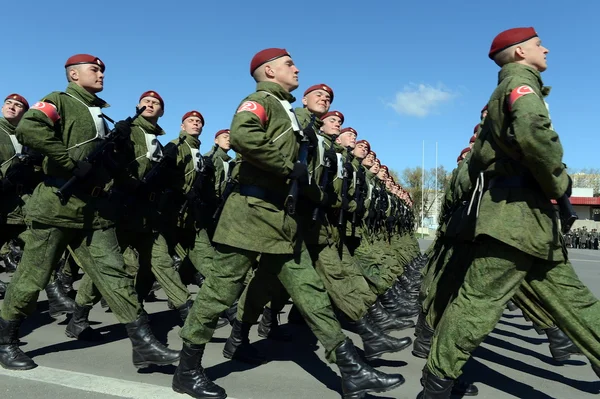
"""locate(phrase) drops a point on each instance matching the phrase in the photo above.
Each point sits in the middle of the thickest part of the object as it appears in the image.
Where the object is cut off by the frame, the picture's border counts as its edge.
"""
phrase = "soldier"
(65, 127)
(253, 222)
(20, 169)
(516, 240)
(138, 185)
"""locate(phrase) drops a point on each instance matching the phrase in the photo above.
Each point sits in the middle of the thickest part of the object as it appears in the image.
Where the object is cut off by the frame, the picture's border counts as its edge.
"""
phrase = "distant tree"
(587, 178)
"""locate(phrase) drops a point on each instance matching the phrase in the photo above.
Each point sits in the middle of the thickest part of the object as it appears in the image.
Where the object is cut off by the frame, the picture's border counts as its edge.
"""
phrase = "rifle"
(229, 185)
(196, 188)
(567, 213)
(170, 153)
(93, 157)
(345, 185)
(324, 179)
(358, 197)
(292, 197)
(19, 164)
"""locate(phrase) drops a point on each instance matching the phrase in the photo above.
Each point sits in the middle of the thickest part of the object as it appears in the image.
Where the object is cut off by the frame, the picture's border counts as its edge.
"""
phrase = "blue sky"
(402, 71)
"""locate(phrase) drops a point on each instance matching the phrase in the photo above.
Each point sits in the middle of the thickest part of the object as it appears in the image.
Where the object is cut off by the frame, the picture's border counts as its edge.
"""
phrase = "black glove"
(331, 155)
(123, 129)
(349, 169)
(209, 166)
(82, 169)
(311, 135)
(300, 173)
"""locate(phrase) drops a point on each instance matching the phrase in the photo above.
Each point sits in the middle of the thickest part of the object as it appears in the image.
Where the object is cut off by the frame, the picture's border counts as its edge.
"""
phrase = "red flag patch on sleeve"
(518, 93)
(255, 108)
(48, 109)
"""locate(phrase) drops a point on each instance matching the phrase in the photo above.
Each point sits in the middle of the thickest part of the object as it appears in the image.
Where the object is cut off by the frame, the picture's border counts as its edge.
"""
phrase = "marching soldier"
(516, 240)
(254, 222)
(65, 127)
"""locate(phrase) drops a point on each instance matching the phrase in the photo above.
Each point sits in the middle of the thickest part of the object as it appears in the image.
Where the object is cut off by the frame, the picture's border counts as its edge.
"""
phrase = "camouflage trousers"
(100, 256)
(153, 261)
(225, 282)
(495, 275)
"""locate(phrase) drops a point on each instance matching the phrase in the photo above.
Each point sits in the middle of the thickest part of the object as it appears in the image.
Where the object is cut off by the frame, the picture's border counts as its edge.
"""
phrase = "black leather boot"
(395, 307)
(147, 349)
(11, 356)
(422, 344)
(358, 378)
(66, 282)
(231, 313)
(238, 345)
(79, 325)
(409, 299)
(385, 321)
(269, 327)
(184, 310)
(198, 279)
(511, 306)
(409, 286)
(420, 321)
(3, 287)
(435, 387)
(58, 302)
(375, 342)
(561, 346)
(190, 378)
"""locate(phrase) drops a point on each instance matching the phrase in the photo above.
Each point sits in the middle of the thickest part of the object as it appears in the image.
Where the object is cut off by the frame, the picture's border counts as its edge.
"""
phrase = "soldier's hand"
(208, 164)
(82, 169)
(123, 128)
(331, 156)
(299, 173)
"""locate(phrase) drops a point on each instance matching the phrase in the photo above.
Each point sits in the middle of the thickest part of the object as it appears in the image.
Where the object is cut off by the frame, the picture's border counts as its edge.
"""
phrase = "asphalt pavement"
(513, 362)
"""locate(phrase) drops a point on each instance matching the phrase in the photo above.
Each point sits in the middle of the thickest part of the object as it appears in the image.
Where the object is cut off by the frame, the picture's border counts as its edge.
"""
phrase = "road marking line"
(585, 260)
(95, 383)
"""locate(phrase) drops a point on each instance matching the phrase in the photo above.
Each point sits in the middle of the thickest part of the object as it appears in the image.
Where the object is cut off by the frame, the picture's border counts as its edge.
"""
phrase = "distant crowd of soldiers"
(582, 238)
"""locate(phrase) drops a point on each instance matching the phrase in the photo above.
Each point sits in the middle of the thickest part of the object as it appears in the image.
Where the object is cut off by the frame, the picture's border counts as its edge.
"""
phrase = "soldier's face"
(382, 174)
(283, 71)
(13, 111)
(222, 141)
(369, 160)
(331, 125)
(88, 76)
(375, 168)
(153, 109)
(347, 139)
(192, 126)
(360, 151)
(535, 54)
(317, 102)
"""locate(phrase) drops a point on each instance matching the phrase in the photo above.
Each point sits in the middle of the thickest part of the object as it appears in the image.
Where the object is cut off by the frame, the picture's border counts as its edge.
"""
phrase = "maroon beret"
(384, 167)
(378, 161)
(349, 129)
(154, 94)
(18, 97)
(509, 38)
(484, 108)
(193, 113)
(476, 128)
(465, 150)
(363, 141)
(334, 113)
(473, 138)
(222, 131)
(79, 59)
(374, 154)
(321, 86)
(266, 55)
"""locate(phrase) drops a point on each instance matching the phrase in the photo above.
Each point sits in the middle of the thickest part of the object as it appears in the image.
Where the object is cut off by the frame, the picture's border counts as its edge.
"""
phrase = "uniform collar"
(194, 142)
(6, 125)
(91, 100)
(276, 90)
(512, 69)
(148, 127)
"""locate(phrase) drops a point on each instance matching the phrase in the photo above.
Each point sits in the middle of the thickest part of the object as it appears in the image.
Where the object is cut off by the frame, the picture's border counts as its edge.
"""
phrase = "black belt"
(263, 194)
(512, 182)
(92, 191)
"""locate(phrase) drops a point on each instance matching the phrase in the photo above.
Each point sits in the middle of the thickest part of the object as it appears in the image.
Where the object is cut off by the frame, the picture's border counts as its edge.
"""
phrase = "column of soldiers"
(305, 211)
(582, 238)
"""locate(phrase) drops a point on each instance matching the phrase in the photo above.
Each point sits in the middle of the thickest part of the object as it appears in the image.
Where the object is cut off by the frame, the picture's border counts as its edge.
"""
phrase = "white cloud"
(420, 100)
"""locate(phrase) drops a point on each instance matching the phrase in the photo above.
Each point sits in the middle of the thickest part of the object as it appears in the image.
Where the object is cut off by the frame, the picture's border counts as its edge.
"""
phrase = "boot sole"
(157, 363)
(361, 394)
(56, 314)
(378, 354)
(22, 368)
(562, 358)
(420, 355)
(187, 392)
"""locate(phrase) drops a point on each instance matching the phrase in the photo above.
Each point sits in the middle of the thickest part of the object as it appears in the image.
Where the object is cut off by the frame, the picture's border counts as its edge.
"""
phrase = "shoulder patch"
(518, 93)
(255, 108)
(47, 108)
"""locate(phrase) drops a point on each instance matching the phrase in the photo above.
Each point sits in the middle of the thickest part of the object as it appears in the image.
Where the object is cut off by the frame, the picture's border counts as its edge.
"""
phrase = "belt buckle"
(152, 196)
(96, 191)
